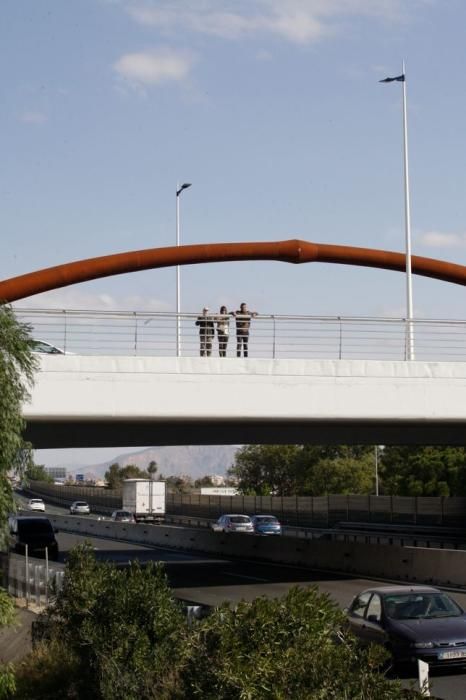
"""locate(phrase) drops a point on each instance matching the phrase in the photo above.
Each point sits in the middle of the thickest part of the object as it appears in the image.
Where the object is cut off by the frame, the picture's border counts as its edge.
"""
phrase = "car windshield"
(36, 500)
(268, 519)
(239, 519)
(414, 606)
(122, 514)
(81, 503)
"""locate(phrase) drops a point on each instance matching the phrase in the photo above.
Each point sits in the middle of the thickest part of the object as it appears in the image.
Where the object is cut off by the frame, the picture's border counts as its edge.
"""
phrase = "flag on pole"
(399, 78)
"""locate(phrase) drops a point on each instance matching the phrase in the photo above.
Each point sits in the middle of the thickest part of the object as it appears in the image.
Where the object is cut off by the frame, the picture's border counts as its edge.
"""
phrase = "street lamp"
(179, 190)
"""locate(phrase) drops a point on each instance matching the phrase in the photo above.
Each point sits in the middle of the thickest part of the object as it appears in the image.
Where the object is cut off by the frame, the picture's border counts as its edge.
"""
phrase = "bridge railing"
(144, 333)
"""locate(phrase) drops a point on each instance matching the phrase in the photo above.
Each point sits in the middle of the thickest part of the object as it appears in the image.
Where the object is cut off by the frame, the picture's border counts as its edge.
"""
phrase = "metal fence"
(301, 511)
(327, 511)
(33, 580)
(271, 336)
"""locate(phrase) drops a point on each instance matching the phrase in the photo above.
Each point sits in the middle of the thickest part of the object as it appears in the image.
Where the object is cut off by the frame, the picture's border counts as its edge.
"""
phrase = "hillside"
(192, 460)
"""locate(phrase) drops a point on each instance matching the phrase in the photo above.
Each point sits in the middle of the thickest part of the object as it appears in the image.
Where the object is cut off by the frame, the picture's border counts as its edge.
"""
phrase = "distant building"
(217, 479)
(57, 473)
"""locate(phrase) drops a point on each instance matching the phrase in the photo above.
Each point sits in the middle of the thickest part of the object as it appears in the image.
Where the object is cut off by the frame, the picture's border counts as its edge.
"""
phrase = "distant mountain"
(192, 460)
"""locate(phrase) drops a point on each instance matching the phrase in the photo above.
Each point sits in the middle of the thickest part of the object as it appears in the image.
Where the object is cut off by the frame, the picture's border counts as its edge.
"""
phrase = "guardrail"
(144, 333)
(33, 580)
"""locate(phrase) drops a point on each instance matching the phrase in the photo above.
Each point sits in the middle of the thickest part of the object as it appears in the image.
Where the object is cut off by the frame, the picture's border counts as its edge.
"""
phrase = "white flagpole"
(409, 287)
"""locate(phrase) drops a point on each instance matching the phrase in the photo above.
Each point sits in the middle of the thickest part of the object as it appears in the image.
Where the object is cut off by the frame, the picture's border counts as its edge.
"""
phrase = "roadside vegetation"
(115, 633)
(17, 366)
(318, 470)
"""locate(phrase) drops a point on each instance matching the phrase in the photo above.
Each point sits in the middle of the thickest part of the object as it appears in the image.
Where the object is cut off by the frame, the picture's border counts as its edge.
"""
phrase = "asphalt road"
(210, 581)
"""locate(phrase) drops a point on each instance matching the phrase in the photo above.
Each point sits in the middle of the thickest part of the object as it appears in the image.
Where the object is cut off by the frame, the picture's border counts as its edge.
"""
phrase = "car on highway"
(123, 516)
(412, 622)
(80, 508)
(36, 504)
(266, 525)
(41, 347)
(34, 531)
(233, 523)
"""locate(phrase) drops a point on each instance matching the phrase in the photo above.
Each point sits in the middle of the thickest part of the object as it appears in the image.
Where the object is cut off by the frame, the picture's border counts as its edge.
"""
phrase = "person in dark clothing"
(243, 322)
(206, 332)
(223, 331)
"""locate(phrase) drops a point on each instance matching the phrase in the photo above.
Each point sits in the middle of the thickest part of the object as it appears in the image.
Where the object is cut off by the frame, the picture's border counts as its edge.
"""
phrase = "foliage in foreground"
(17, 366)
(7, 618)
(115, 633)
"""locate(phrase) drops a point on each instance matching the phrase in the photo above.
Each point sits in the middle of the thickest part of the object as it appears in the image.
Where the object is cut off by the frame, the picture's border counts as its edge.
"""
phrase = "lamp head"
(184, 186)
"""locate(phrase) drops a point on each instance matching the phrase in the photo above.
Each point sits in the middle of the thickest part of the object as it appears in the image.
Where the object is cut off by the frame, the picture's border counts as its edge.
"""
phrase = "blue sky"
(271, 108)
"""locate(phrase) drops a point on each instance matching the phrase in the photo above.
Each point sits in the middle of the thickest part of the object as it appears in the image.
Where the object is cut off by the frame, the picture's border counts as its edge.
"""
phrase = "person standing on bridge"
(206, 332)
(243, 322)
(223, 331)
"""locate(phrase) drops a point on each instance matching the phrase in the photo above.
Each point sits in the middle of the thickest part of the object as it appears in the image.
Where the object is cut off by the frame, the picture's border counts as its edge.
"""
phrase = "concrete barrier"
(414, 564)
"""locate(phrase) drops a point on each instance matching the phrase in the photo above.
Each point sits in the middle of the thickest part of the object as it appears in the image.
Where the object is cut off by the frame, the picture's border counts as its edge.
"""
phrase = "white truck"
(144, 498)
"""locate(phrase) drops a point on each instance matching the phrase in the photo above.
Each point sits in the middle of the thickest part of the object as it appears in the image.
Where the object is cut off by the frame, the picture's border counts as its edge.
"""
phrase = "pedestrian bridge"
(113, 400)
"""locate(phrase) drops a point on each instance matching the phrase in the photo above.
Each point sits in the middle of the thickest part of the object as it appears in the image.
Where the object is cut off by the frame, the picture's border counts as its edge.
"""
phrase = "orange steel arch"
(292, 251)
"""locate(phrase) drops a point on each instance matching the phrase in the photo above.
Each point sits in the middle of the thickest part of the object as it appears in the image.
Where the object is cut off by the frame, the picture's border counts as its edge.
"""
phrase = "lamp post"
(376, 455)
(179, 190)
(409, 290)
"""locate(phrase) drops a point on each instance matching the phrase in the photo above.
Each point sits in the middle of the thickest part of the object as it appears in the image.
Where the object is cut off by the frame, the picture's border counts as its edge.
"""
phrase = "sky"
(272, 109)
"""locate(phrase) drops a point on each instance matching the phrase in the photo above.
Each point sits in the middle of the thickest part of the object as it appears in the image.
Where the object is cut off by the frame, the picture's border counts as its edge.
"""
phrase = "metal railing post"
(26, 562)
(65, 330)
(135, 333)
(274, 337)
(46, 576)
(340, 347)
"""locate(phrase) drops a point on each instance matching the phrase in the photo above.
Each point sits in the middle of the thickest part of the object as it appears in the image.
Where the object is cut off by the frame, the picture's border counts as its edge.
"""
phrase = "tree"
(36, 472)
(17, 367)
(307, 470)
(203, 481)
(111, 633)
(412, 470)
(115, 475)
(152, 469)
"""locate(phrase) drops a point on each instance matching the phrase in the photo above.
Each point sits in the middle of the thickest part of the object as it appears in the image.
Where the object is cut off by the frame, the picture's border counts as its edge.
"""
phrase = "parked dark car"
(412, 622)
(35, 532)
(266, 525)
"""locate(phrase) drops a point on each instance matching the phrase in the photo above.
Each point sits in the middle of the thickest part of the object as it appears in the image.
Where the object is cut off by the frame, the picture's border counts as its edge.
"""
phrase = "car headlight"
(422, 645)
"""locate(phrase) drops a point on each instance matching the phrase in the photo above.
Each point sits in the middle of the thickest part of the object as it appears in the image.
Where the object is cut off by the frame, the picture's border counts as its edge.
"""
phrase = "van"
(35, 532)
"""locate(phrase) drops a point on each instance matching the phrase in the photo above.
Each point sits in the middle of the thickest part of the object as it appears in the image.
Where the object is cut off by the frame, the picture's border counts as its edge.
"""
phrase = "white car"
(80, 508)
(233, 523)
(36, 504)
(42, 347)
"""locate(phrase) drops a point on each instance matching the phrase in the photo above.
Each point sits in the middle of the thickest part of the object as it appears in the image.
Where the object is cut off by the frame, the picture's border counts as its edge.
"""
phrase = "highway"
(210, 581)
(205, 580)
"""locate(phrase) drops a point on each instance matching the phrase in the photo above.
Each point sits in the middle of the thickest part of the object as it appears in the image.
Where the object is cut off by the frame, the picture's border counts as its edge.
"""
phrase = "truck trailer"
(144, 498)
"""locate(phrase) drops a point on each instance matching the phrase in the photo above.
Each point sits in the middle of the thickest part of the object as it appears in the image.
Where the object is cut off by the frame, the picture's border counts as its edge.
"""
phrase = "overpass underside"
(136, 401)
(44, 434)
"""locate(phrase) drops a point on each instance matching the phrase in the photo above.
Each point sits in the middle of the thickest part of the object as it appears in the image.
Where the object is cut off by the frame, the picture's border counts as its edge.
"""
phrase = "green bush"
(116, 633)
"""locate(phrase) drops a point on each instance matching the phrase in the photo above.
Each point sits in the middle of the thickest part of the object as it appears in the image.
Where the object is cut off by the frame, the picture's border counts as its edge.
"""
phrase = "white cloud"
(33, 118)
(298, 21)
(74, 298)
(437, 239)
(146, 68)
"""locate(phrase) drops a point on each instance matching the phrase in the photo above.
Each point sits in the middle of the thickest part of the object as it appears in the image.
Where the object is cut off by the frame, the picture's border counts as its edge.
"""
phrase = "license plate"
(452, 655)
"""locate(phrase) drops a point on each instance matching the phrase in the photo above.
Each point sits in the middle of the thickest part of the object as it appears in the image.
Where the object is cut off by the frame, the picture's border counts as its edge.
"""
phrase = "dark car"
(266, 525)
(35, 532)
(123, 516)
(412, 622)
